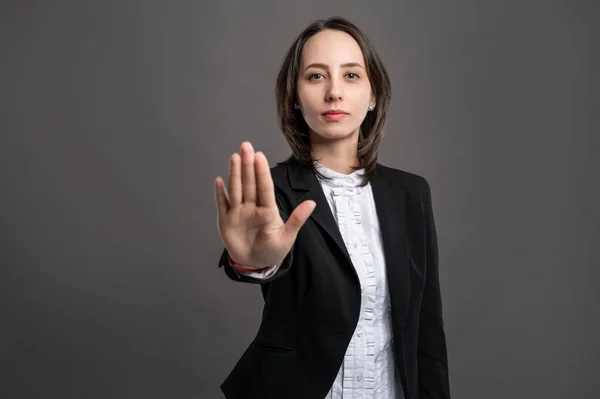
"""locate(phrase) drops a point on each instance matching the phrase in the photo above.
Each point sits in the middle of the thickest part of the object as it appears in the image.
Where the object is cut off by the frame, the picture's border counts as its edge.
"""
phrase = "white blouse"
(368, 369)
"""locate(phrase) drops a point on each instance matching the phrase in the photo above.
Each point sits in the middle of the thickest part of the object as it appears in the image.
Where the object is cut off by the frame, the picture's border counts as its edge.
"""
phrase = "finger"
(235, 181)
(248, 178)
(221, 197)
(264, 182)
(299, 217)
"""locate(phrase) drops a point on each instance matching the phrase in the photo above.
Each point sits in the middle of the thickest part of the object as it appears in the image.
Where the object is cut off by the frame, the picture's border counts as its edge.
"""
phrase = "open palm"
(248, 218)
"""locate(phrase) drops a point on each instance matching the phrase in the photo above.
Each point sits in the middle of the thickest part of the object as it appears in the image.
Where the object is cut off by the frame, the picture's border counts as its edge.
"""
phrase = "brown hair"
(291, 121)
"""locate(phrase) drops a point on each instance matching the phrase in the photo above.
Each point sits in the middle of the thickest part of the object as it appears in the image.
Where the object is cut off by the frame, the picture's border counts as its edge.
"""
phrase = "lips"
(335, 112)
(335, 115)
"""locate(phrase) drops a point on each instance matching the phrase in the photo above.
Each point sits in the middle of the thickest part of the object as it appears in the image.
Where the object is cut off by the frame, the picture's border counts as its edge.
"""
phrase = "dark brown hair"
(292, 122)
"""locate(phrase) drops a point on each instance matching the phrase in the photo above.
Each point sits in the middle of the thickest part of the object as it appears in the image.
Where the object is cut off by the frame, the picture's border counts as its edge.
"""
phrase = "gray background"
(117, 115)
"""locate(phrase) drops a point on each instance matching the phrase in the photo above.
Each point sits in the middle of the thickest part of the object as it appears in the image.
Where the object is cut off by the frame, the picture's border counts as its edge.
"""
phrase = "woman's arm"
(432, 352)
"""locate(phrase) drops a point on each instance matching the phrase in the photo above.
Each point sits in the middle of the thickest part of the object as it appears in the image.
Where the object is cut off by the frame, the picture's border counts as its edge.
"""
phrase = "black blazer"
(312, 303)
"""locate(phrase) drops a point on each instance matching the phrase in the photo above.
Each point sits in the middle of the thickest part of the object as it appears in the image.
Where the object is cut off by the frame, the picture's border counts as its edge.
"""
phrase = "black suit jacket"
(312, 303)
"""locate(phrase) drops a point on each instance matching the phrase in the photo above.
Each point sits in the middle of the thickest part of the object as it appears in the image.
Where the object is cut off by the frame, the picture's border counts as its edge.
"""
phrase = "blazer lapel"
(308, 187)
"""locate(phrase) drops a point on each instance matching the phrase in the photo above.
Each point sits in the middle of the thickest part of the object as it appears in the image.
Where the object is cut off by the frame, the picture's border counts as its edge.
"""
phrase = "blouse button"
(359, 378)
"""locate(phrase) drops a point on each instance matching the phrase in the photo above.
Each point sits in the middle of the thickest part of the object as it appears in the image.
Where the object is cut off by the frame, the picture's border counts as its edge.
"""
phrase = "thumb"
(299, 217)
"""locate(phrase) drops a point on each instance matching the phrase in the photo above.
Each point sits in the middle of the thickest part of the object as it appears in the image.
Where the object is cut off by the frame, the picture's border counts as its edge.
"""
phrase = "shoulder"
(282, 186)
(414, 184)
(279, 172)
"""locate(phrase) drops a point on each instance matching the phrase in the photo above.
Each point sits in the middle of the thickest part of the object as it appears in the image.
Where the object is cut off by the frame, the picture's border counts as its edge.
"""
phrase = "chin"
(333, 132)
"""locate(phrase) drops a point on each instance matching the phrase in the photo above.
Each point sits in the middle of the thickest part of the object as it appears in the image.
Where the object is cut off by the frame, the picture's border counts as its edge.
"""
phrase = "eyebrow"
(324, 66)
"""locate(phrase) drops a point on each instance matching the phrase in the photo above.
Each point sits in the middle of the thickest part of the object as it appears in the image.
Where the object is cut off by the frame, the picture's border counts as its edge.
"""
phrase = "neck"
(338, 155)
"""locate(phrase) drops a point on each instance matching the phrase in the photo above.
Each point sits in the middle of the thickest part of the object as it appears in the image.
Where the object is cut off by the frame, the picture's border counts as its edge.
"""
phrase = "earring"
(371, 108)
(296, 106)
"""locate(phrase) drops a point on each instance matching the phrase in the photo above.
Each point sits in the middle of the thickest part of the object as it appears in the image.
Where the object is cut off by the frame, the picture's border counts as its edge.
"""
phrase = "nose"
(334, 91)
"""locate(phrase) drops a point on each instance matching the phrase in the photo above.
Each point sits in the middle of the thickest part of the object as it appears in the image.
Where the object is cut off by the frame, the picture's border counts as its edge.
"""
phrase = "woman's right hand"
(248, 218)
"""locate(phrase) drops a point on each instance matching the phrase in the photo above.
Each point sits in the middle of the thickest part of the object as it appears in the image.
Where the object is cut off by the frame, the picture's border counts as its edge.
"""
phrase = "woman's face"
(334, 92)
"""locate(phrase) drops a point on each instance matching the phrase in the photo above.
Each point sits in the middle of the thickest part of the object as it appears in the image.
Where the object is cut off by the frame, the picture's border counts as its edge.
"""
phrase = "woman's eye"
(352, 76)
(315, 76)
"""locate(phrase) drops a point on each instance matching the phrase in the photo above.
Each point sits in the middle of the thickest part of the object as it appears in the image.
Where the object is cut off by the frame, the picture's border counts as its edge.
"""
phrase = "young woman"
(344, 248)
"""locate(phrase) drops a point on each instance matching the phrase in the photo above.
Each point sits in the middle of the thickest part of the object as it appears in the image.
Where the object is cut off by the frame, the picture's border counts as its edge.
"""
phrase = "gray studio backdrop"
(117, 115)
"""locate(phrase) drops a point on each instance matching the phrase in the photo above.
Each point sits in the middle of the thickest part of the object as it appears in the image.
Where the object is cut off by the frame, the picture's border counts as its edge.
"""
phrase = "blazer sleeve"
(432, 352)
(284, 267)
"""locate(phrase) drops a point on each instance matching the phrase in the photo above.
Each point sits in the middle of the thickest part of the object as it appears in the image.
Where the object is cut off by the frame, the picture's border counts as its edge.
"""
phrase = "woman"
(344, 248)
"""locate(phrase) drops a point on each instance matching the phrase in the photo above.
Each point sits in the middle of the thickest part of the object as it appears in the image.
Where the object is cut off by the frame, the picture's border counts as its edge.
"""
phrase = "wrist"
(245, 268)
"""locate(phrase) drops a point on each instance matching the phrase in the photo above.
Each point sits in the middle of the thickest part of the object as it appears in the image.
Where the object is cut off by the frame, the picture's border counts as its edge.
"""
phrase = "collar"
(339, 179)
